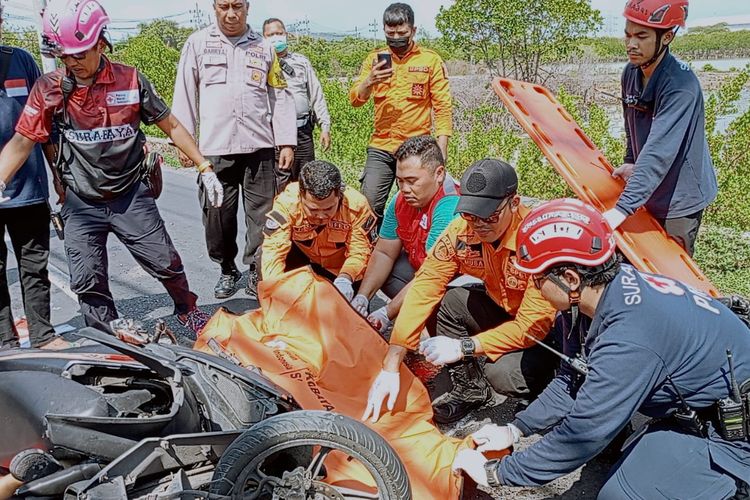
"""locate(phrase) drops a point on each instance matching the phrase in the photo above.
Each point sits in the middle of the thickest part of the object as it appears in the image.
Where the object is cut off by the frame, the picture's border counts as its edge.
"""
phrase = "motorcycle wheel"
(264, 461)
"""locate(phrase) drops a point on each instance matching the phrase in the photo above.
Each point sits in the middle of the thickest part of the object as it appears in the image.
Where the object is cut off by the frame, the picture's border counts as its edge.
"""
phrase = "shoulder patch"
(443, 250)
(272, 224)
(274, 221)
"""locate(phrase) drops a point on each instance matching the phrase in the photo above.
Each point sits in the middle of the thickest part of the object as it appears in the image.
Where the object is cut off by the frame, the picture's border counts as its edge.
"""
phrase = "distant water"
(615, 111)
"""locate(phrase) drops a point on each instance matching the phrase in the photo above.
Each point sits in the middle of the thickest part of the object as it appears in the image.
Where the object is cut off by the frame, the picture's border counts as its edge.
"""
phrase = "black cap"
(485, 185)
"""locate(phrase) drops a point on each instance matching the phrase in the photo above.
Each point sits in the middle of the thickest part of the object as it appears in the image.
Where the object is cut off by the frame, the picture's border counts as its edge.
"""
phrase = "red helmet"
(563, 231)
(658, 14)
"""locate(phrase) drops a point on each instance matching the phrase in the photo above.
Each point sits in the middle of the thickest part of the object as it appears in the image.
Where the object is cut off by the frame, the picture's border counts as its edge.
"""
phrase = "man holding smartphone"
(408, 84)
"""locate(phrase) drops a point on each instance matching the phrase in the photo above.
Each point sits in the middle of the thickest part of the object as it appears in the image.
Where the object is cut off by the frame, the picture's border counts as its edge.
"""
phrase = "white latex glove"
(472, 462)
(344, 285)
(493, 437)
(441, 350)
(360, 304)
(213, 188)
(614, 218)
(386, 384)
(379, 319)
(624, 171)
(277, 344)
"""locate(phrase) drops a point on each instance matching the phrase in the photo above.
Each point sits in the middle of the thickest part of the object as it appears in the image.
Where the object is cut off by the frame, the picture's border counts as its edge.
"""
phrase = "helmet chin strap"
(574, 298)
(657, 52)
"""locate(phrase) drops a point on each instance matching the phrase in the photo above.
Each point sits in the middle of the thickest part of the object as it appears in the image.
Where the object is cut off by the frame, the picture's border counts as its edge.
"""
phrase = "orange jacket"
(343, 246)
(459, 251)
(404, 105)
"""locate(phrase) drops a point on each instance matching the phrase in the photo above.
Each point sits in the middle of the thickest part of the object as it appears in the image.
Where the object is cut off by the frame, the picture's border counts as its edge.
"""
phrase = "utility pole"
(304, 27)
(48, 63)
(197, 17)
(374, 30)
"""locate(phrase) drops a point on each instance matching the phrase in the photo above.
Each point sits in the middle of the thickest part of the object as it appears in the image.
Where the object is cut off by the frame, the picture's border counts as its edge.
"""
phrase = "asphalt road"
(137, 294)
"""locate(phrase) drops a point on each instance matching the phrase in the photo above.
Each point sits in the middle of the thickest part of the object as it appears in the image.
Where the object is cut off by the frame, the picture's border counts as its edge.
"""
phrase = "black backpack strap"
(5, 55)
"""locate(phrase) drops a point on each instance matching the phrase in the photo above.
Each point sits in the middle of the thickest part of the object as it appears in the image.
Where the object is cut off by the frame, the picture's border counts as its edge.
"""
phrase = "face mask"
(397, 43)
(279, 42)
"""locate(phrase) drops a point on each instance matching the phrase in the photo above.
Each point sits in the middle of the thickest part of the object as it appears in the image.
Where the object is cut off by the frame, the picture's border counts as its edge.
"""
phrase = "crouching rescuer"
(654, 346)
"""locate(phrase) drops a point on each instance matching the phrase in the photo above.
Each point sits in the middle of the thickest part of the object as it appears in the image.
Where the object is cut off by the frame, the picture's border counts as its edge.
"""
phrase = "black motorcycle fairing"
(26, 397)
(146, 464)
(108, 397)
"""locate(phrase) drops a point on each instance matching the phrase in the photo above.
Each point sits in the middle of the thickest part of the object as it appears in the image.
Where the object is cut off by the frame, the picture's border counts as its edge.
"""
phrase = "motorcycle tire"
(305, 429)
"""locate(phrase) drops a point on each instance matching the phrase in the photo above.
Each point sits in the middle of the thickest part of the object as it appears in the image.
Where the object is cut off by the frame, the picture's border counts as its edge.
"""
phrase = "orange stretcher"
(640, 238)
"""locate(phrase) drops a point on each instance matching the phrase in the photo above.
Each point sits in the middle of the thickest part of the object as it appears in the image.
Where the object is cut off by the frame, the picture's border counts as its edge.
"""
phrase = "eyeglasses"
(539, 280)
(78, 57)
(492, 219)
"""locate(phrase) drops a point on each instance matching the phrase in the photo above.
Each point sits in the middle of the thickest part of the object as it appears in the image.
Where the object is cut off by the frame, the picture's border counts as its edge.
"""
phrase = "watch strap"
(491, 467)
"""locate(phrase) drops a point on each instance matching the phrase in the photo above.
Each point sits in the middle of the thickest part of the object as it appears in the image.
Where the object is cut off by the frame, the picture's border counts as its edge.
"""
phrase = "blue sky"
(339, 16)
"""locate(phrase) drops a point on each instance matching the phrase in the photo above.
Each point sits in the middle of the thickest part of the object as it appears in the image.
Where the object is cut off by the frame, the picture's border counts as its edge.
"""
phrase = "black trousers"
(684, 229)
(252, 177)
(304, 153)
(401, 275)
(377, 179)
(135, 220)
(28, 228)
(465, 312)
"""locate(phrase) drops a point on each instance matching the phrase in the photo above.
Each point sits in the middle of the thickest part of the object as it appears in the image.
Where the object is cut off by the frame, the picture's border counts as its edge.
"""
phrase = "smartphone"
(385, 56)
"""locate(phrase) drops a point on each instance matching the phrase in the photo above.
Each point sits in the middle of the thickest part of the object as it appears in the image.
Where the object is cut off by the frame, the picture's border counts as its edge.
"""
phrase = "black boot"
(252, 282)
(470, 391)
(227, 285)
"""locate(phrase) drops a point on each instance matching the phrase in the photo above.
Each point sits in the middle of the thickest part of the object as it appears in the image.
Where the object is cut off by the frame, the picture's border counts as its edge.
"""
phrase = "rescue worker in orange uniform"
(319, 221)
(415, 218)
(473, 322)
(407, 91)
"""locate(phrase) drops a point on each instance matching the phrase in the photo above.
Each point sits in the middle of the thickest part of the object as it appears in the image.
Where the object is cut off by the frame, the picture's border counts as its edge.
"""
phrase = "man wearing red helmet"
(667, 165)
(98, 107)
(654, 346)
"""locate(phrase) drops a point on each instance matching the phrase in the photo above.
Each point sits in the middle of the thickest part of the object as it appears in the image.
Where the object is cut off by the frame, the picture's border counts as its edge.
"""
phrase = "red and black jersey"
(103, 143)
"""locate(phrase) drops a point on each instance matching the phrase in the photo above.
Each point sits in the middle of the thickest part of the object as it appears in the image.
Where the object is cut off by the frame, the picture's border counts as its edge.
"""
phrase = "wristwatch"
(491, 468)
(468, 348)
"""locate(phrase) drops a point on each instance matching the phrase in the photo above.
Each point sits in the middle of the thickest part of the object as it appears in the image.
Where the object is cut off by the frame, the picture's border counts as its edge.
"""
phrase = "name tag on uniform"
(338, 225)
(123, 97)
(16, 88)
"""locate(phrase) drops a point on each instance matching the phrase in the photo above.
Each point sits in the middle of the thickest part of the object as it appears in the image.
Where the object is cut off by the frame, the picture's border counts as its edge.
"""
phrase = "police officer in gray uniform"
(655, 346)
(309, 100)
(230, 92)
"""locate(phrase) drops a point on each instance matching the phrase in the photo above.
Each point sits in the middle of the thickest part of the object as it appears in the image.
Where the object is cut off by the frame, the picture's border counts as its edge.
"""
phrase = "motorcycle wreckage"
(113, 419)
